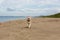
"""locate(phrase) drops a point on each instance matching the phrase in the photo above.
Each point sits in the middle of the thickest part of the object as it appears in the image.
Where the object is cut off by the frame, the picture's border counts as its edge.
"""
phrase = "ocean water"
(9, 18)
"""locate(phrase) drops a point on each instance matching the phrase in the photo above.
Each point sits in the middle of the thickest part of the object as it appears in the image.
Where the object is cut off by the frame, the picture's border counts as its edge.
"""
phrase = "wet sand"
(41, 29)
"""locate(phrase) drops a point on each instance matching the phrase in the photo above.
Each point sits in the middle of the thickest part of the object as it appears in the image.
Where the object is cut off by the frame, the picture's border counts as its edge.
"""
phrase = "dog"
(29, 22)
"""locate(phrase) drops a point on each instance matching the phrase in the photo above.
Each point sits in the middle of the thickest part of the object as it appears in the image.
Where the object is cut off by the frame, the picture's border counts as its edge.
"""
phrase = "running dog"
(29, 22)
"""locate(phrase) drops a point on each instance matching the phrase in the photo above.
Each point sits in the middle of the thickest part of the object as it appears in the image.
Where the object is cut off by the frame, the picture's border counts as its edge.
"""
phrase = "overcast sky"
(29, 7)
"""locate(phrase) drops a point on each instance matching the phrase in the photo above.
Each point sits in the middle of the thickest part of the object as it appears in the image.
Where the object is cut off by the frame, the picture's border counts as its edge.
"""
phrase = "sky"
(29, 7)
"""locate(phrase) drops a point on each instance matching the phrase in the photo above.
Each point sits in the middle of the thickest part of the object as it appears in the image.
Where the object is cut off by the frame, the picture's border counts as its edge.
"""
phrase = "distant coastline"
(57, 15)
(10, 18)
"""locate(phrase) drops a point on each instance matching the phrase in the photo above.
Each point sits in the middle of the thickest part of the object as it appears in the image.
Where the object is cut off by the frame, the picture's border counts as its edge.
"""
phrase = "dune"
(41, 29)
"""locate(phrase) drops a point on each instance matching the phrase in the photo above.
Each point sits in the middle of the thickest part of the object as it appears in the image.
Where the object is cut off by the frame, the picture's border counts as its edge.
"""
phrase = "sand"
(41, 29)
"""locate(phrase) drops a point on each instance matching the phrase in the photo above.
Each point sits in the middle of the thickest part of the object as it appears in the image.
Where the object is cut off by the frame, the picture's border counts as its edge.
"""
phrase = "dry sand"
(41, 29)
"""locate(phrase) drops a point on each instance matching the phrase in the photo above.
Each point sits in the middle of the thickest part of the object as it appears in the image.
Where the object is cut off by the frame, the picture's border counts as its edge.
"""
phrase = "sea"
(9, 18)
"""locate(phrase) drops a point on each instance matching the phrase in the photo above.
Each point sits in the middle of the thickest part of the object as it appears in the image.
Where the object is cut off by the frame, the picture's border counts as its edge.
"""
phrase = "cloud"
(1, 1)
(29, 7)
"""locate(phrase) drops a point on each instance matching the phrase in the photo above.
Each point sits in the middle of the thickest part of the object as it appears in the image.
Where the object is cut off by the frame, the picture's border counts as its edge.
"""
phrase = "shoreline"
(25, 19)
(33, 20)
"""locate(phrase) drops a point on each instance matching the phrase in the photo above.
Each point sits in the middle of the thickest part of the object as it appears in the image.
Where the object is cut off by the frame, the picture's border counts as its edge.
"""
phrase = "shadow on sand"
(27, 27)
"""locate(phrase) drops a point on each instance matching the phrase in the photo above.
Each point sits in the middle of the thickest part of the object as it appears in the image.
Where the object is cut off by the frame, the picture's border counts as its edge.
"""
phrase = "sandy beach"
(41, 29)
